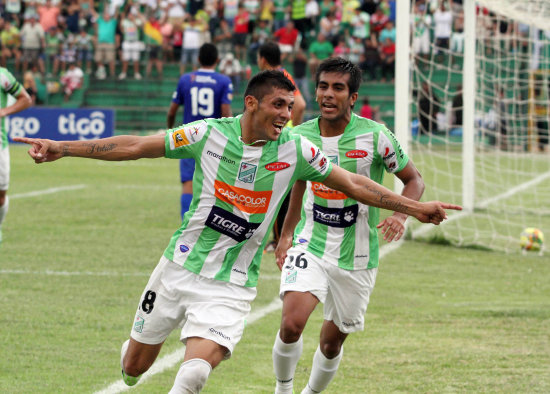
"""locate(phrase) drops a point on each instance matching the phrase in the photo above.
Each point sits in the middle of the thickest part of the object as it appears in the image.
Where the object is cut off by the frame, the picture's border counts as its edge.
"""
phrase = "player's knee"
(191, 377)
(2, 199)
(291, 329)
(330, 349)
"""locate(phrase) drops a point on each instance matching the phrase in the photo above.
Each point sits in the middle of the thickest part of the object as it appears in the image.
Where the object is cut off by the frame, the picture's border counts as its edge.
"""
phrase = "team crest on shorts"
(247, 172)
(138, 324)
(291, 277)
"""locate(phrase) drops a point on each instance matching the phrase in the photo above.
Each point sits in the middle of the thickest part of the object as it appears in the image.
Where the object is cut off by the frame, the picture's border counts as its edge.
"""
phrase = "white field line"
(51, 190)
(485, 203)
(174, 358)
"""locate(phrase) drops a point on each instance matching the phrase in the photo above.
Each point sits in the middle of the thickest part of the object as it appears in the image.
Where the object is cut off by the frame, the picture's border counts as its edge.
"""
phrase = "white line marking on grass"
(51, 190)
(168, 361)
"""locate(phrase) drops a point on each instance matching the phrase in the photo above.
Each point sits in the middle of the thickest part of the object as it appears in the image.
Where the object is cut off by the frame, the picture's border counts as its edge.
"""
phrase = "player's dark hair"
(264, 82)
(271, 53)
(341, 66)
(208, 55)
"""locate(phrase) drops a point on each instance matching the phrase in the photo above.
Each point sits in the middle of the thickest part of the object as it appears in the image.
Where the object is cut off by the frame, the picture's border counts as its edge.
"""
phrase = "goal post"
(478, 115)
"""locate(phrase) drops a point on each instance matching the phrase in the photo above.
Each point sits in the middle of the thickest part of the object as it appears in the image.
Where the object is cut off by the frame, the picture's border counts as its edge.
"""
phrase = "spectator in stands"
(329, 26)
(153, 43)
(72, 16)
(341, 50)
(223, 37)
(54, 39)
(29, 83)
(360, 24)
(84, 50)
(71, 80)
(260, 35)
(230, 66)
(253, 8)
(457, 36)
(286, 38)
(443, 27)
(298, 17)
(348, 8)
(387, 56)
(12, 12)
(68, 52)
(356, 50)
(388, 32)
(191, 43)
(11, 41)
(377, 22)
(230, 11)
(420, 31)
(428, 107)
(366, 109)
(319, 50)
(300, 74)
(457, 108)
(370, 61)
(312, 15)
(32, 38)
(48, 14)
(281, 10)
(107, 42)
(131, 45)
(240, 32)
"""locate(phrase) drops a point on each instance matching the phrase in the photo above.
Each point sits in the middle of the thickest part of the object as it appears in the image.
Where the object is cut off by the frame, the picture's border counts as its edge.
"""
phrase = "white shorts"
(286, 48)
(345, 294)
(203, 307)
(4, 168)
(131, 50)
(421, 44)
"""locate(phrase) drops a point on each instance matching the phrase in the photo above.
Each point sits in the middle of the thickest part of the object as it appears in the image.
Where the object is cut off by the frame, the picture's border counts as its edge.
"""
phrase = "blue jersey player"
(203, 93)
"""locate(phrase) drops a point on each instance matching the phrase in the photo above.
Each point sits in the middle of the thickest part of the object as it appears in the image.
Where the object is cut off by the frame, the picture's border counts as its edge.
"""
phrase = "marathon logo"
(230, 225)
(320, 190)
(336, 217)
(315, 154)
(245, 200)
(220, 157)
(219, 333)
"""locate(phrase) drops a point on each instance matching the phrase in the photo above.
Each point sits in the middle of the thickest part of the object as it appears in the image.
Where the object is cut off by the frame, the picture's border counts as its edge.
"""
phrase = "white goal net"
(487, 150)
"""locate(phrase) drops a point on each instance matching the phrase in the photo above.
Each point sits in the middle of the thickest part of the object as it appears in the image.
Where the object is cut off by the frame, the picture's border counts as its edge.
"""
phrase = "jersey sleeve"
(314, 164)
(183, 142)
(391, 152)
(9, 83)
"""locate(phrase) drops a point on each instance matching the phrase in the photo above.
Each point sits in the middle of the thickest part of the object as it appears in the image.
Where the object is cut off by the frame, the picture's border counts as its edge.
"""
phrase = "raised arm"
(371, 193)
(122, 147)
(292, 219)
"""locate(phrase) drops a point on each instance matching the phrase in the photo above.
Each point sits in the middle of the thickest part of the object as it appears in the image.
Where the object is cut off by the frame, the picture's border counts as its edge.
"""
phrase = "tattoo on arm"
(92, 148)
(385, 201)
(65, 150)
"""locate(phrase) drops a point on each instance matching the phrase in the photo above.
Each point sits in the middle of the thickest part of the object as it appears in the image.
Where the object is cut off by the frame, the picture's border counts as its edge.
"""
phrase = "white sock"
(191, 377)
(322, 371)
(285, 359)
(4, 209)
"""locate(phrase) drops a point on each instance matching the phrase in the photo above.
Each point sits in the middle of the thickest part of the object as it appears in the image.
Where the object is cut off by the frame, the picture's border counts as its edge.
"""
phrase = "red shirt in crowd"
(240, 23)
(286, 36)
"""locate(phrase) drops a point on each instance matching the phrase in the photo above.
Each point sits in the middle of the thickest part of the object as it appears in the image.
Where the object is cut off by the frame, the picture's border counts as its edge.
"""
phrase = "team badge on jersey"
(179, 138)
(138, 324)
(333, 159)
(247, 172)
(291, 277)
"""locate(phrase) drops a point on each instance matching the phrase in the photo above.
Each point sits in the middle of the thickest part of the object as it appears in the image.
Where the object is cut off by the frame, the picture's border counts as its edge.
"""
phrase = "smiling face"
(332, 95)
(270, 114)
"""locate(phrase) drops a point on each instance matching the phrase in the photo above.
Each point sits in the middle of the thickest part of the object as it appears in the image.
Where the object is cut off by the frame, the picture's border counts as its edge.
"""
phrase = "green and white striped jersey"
(336, 228)
(8, 86)
(237, 192)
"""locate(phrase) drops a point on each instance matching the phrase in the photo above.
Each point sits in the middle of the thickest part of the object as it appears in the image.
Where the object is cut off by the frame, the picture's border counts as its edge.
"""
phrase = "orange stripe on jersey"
(327, 193)
(248, 201)
(286, 74)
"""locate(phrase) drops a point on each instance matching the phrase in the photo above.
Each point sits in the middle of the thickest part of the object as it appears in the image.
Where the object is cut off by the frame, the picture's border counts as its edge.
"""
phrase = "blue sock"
(185, 202)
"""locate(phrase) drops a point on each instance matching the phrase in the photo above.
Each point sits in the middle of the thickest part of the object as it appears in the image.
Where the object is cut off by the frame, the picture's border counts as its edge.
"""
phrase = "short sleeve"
(391, 152)
(183, 141)
(314, 164)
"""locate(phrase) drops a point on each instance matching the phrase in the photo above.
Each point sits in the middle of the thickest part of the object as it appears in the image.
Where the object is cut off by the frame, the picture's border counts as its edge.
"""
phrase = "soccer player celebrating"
(335, 256)
(203, 93)
(8, 86)
(206, 279)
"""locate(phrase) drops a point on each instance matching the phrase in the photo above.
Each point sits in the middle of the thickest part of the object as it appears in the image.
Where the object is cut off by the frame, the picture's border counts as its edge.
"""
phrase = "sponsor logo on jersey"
(220, 157)
(138, 324)
(314, 154)
(327, 193)
(245, 200)
(247, 172)
(179, 138)
(184, 248)
(336, 217)
(390, 159)
(388, 155)
(356, 154)
(277, 166)
(323, 164)
(231, 225)
(333, 159)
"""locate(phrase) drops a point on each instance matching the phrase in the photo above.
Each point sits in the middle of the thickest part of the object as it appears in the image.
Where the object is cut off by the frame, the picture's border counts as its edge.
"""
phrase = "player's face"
(272, 114)
(332, 95)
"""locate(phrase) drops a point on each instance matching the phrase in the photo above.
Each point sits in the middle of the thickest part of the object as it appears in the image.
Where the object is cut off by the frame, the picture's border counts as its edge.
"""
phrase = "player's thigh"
(4, 168)
(161, 306)
(348, 297)
(303, 272)
(187, 169)
(216, 311)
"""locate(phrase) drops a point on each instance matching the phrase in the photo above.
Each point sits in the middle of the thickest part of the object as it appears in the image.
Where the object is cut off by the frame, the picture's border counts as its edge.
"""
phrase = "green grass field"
(75, 260)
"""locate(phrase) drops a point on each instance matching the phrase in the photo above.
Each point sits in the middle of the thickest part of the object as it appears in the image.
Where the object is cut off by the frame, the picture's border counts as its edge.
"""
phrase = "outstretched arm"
(371, 193)
(122, 147)
(393, 227)
(292, 218)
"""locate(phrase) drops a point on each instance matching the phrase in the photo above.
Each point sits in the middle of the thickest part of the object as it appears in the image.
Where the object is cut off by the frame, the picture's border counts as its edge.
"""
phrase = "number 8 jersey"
(237, 191)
